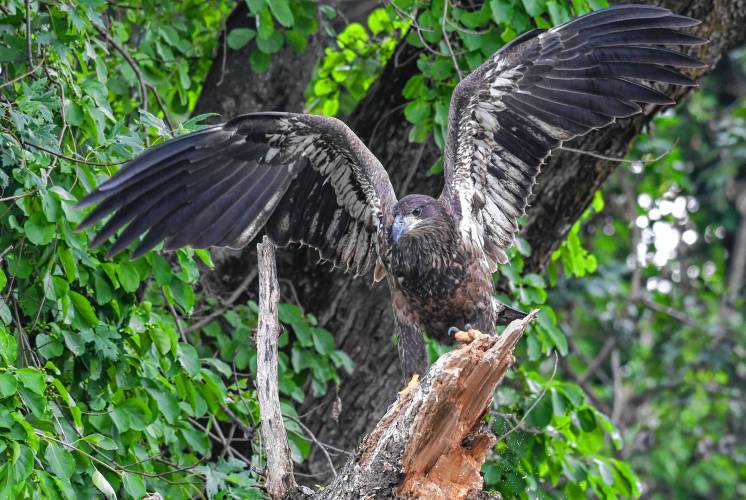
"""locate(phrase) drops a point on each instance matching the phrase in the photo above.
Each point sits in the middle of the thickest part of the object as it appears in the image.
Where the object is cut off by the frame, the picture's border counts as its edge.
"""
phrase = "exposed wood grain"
(432, 442)
(279, 471)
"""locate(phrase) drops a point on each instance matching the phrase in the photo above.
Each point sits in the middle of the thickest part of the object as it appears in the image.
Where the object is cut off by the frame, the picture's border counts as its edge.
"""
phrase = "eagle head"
(417, 216)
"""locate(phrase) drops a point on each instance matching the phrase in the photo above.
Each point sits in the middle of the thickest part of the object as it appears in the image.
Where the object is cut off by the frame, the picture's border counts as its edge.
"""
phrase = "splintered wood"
(432, 442)
(448, 445)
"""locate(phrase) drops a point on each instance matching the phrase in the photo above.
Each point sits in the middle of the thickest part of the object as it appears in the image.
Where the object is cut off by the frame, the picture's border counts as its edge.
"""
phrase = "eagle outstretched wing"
(302, 178)
(542, 89)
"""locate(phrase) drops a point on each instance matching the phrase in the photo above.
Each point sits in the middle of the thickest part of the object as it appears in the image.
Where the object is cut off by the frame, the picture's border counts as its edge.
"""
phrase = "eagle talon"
(411, 385)
(468, 336)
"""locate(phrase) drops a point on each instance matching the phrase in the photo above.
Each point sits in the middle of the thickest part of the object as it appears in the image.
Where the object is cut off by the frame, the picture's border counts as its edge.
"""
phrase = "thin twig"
(616, 370)
(75, 448)
(69, 158)
(411, 17)
(225, 54)
(29, 46)
(618, 160)
(670, 311)
(135, 67)
(182, 334)
(7, 249)
(24, 337)
(448, 41)
(18, 196)
(468, 31)
(413, 168)
(533, 405)
(316, 441)
(226, 304)
(21, 77)
(596, 363)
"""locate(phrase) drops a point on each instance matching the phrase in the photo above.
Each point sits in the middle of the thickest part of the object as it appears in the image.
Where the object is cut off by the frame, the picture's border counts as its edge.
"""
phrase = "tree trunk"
(355, 310)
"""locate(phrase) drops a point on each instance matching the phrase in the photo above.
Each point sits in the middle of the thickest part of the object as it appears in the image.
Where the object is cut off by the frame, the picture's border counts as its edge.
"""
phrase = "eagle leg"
(411, 385)
(412, 349)
(467, 335)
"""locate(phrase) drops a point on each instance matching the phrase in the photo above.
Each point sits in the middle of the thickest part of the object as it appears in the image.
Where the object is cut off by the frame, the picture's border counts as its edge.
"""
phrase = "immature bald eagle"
(310, 180)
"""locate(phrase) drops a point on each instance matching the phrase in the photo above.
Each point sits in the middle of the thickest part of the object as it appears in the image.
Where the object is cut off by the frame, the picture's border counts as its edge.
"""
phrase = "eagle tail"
(506, 314)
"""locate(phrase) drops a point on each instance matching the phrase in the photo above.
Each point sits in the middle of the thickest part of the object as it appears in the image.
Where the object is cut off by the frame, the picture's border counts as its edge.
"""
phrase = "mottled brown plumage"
(310, 180)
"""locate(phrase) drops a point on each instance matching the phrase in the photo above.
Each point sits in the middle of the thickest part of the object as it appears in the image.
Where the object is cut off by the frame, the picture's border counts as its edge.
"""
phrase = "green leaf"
(324, 87)
(239, 37)
(198, 440)
(541, 415)
(558, 402)
(168, 405)
(134, 484)
(557, 13)
(534, 280)
(323, 341)
(331, 106)
(534, 7)
(84, 309)
(100, 482)
(378, 20)
(131, 414)
(441, 69)
(38, 230)
(296, 41)
(272, 44)
(100, 441)
(281, 10)
(414, 87)
(128, 276)
(5, 314)
(340, 358)
(8, 385)
(60, 461)
(189, 359)
(256, 6)
(204, 256)
(417, 111)
(32, 379)
(260, 61)
(523, 247)
(265, 24)
(502, 11)
(48, 347)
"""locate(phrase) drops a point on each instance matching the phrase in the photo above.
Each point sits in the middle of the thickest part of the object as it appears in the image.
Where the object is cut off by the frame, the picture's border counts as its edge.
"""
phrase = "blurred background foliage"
(122, 378)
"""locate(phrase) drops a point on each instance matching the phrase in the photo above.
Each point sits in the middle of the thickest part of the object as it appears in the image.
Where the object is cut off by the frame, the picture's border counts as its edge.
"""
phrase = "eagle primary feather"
(310, 179)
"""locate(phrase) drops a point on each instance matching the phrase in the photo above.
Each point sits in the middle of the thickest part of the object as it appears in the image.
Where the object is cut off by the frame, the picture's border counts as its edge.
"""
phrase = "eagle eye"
(417, 212)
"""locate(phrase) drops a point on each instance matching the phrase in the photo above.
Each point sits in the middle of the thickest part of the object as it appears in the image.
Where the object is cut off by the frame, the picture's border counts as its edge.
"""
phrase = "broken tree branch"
(280, 480)
(432, 442)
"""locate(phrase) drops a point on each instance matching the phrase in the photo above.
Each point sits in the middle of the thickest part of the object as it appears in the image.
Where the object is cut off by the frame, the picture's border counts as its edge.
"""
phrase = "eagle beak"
(399, 228)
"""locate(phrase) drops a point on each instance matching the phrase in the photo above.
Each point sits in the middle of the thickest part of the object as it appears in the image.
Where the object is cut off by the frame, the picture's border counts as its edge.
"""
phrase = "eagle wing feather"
(301, 178)
(545, 88)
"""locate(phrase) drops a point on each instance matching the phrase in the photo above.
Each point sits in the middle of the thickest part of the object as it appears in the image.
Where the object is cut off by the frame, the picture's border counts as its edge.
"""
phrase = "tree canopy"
(125, 378)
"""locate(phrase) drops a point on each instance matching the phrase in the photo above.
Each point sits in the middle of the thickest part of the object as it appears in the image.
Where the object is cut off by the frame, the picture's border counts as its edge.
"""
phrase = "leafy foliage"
(346, 72)
(104, 389)
(278, 23)
(126, 378)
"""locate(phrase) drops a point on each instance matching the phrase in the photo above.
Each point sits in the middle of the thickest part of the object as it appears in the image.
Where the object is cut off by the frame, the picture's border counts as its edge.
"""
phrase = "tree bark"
(232, 88)
(355, 310)
(279, 470)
